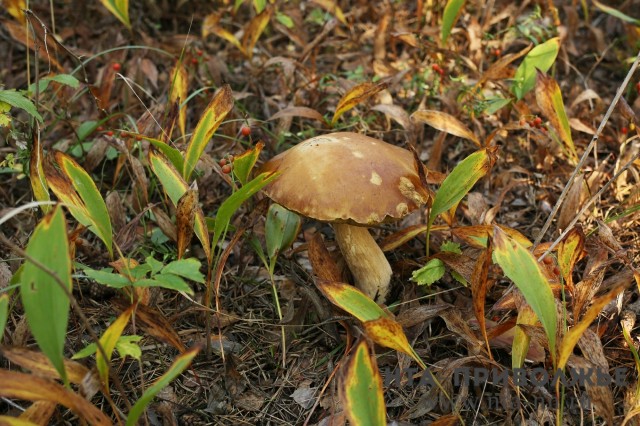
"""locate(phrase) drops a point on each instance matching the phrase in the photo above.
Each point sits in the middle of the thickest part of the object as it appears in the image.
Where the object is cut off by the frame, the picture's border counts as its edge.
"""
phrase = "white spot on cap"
(357, 154)
(375, 179)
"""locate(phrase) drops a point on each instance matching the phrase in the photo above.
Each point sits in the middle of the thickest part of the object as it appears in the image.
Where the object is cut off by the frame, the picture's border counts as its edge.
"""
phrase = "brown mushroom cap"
(346, 177)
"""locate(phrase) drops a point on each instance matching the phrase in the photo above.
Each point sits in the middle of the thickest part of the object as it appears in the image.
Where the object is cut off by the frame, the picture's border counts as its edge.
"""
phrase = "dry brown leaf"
(149, 69)
(39, 412)
(479, 286)
(254, 29)
(445, 123)
(419, 314)
(600, 396)
(585, 290)
(323, 265)
(573, 203)
(116, 211)
(165, 223)
(570, 250)
(39, 364)
(18, 33)
(154, 323)
(185, 217)
(355, 96)
(460, 326)
(298, 111)
(32, 388)
(396, 113)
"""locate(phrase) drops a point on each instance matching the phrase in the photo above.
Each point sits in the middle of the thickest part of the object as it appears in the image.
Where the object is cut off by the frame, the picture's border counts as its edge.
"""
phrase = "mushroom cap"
(346, 177)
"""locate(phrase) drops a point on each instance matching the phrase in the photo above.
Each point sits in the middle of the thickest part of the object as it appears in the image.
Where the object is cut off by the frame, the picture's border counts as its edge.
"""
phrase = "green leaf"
(4, 313)
(175, 186)
(17, 100)
(231, 204)
(168, 281)
(155, 265)
(125, 346)
(45, 304)
(170, 152)
(450, 17)
(181, 363)
(352, 300)
(284, 20)
(213, 115)
(616, 13)
(65, 79)
(495, 104)
(281, 228)
(186, 268)
(540, 57)
(523, 269)
(451, 247)
(429, 273)
(107, 278)
(243, 164)
(90, 210)
(108, 342)
(460, 182)
(119, 9)
(361, 389)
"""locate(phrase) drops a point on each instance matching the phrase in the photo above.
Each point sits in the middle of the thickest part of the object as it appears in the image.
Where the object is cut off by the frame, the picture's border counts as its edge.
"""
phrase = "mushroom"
(352, 181)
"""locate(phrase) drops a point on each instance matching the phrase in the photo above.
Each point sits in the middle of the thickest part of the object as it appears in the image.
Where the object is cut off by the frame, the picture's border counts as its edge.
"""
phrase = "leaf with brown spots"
(445, 123)
(254, 29)
(355, 96)
(570, 250)
(185, 216)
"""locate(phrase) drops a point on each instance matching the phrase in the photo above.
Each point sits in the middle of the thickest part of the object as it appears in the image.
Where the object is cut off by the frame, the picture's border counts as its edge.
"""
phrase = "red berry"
(537, 122)
(194, 61)
(226, 169)
(124, 134)
(110, 133)
(245, 131)
(116, 67)
(222, 162)
(624, 130)
(547, 260)
(138, 137)
(100, 129)
(497, 52)
(199, 52)
(556, 270)
(638, 86)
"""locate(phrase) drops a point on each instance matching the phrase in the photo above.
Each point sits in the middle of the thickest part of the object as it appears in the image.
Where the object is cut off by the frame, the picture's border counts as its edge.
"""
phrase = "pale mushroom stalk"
(368, 265)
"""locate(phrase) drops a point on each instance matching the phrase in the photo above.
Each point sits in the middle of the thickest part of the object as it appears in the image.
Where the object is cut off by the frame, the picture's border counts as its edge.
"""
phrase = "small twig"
(587, 151)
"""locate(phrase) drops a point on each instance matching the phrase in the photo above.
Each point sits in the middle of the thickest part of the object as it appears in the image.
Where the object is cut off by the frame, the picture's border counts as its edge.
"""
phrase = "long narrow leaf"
(180, 364)
(213, 115)
(108, 342)
(175, 187)
(45, 304)
(523, 269)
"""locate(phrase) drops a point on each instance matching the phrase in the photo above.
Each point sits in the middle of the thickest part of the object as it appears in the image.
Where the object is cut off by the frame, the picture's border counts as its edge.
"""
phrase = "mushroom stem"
(370, 269)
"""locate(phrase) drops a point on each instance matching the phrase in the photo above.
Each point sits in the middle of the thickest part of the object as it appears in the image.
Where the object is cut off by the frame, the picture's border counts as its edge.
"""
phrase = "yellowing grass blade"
(119, 9)
(449, 17)
(253, 31)
(523, 269)
(46, 305)
(73, 186)
(108, 342)
(213, 115)
(388, 333)
(179, 365)
(356, 95)
(573, 335)
(521, 341)
(243, 163)
(175, 187)
(361, 389)
(549, 99)
(178, 93)
(210, 26)
(36, 172)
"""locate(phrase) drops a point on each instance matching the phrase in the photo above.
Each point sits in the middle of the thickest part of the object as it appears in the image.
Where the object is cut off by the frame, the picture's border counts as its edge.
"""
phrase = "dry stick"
(583, 159)
(78, 311)
(587, 205)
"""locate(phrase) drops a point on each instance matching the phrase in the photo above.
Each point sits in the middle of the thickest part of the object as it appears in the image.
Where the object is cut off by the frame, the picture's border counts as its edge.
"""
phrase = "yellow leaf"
(108, 342)
(549, 99)
(36, 173)
(331, 7)
(119, 9)
(356, 95)
(178, 93)
(210, 26)
(253, 31)
(388, 333)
